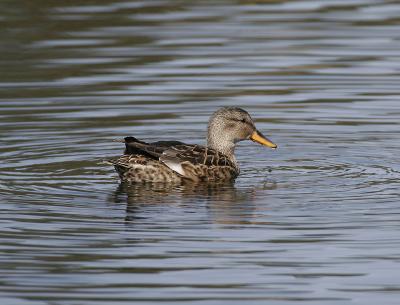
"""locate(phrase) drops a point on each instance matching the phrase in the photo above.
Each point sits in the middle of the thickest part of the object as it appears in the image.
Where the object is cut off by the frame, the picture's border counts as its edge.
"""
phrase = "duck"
(175, 161)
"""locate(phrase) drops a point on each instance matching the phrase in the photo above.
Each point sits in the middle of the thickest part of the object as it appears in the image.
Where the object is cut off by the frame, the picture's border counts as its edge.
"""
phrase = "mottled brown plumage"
(172, 161)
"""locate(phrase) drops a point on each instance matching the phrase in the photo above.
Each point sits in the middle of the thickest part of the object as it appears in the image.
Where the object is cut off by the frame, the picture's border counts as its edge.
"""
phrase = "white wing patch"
(176, 167)
(169, 159)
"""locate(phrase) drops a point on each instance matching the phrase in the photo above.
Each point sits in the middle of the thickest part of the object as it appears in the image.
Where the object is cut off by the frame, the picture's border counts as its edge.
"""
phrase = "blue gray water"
(315, 222)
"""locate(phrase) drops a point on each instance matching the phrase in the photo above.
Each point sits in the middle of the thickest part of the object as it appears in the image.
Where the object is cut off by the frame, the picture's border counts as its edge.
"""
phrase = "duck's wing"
(153, 150)
(197, 162)
(196, 155)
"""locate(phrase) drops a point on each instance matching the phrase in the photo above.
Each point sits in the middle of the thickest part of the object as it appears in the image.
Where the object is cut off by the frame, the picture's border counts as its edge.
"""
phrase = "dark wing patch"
(167, 143)
(134, 146)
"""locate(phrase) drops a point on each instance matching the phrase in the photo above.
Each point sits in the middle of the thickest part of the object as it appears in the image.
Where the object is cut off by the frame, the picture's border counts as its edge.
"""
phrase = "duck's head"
(229, 125)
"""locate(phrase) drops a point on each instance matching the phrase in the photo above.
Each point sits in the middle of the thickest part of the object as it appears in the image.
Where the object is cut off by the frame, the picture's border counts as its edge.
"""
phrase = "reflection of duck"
(173, 161)
(176, 194)
(224, 202)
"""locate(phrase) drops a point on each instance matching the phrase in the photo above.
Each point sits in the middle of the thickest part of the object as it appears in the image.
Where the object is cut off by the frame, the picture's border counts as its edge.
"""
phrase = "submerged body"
(174, 161)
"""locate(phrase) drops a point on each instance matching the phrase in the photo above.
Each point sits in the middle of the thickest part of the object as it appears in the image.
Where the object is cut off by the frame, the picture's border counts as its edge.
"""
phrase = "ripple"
(316, 220)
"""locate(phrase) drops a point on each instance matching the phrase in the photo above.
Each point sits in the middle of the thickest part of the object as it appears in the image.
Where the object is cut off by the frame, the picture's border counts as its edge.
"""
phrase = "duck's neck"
(221, 143)
(219, 139)
(227, 148)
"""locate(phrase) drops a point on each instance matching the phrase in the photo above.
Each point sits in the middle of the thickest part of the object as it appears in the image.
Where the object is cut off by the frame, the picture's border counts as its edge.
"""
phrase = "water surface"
(315, 222)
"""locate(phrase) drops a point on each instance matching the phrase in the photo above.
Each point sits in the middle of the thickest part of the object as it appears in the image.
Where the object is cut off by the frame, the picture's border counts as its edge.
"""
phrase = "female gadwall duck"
(174, 161)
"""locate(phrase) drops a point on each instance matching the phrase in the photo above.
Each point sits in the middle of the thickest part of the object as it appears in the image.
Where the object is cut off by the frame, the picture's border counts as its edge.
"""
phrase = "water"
(315, 222)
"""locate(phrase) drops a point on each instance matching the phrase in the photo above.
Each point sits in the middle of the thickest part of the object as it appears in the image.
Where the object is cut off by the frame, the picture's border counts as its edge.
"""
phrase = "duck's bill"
(260, 138)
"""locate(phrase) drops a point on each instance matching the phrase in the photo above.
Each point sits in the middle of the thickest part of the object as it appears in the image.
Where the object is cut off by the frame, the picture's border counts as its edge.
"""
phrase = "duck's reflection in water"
(220, 203)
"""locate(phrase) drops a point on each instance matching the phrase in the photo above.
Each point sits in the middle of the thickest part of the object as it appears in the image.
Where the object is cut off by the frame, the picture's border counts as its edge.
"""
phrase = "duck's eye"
(243, 120)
